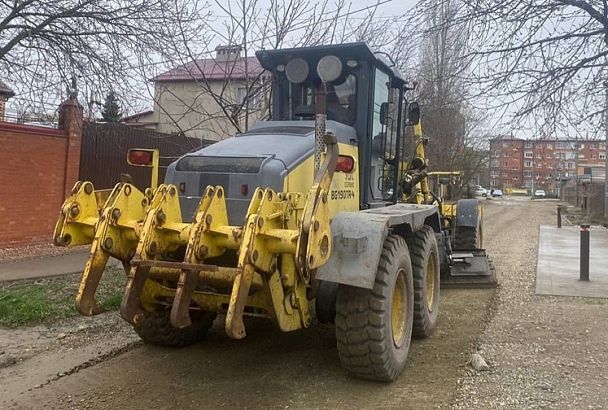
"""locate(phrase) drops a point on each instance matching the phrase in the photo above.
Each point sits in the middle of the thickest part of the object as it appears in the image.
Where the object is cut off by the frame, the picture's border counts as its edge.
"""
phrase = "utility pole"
(576, 166)
(606, 148)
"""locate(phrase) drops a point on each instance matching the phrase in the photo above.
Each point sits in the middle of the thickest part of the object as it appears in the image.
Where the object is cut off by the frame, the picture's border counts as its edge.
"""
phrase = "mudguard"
(358, 238)
(467, 213)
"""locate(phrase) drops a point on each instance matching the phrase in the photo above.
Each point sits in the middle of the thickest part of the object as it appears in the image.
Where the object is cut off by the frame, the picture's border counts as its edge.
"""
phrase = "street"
(539, 354)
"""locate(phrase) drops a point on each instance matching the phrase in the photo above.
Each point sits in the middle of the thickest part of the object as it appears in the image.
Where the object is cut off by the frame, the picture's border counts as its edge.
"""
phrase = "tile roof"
(212, 69)
(6, 90)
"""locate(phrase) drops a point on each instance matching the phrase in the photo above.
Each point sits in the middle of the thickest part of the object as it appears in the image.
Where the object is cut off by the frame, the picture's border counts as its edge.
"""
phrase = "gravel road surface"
(542, 352)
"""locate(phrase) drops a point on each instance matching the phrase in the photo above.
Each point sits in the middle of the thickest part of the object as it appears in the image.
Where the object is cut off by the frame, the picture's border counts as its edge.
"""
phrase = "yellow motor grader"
(315, 209)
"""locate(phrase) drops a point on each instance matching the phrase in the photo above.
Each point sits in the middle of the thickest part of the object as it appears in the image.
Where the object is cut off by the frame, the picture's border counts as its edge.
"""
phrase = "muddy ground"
(98, 363)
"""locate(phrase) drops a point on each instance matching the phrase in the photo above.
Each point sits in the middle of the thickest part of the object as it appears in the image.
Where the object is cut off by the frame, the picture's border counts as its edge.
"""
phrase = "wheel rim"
(399, 309)
(431, 275)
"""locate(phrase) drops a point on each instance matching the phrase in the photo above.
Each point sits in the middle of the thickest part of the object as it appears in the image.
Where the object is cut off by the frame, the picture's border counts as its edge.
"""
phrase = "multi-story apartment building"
(541, 164)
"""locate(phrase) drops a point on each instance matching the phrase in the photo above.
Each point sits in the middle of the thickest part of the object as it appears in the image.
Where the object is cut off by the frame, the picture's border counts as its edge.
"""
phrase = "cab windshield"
(341, 102)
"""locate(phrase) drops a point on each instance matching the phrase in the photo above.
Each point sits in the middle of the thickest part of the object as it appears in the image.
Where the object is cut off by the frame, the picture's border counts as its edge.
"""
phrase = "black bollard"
(584, 254)
(559, 216)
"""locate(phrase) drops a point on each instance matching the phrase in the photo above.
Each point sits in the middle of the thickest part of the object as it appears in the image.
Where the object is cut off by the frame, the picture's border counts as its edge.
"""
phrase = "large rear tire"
(425, 270)
(374, 326)
(156, 329)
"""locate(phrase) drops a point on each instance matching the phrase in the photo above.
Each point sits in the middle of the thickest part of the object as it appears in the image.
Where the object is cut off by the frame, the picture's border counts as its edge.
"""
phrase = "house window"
(528, 144)
(539, 165)
(548, 155)
(527, 173)
(515, 178)
(593, 156)
(570, 164)
(549, 146)
(495, 164)
(539, 155)
(603, 155)
(527, 164)
(505, 145)
(537, 174)
(505, 154)
(581, 146)
(603, 146)
(528, 154)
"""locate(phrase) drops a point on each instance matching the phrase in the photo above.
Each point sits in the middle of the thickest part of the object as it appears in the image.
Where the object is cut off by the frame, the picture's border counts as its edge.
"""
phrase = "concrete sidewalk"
(557, 269)
(46, 266)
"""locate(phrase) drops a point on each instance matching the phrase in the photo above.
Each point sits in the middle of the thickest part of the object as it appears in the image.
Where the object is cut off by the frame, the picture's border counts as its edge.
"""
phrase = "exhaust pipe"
(320, 123)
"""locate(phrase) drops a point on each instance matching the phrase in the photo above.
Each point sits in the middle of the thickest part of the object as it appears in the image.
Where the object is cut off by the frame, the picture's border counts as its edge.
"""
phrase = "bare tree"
(43, 44)
(251, 26)
(531, 54)
(453, 126)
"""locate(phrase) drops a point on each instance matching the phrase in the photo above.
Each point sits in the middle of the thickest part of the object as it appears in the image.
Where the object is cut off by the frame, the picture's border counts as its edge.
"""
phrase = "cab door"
(382, 144)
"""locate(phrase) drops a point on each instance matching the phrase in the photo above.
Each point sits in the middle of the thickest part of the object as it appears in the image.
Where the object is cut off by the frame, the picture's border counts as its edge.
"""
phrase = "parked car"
(496, 192)
(480, 191)
(540, 193)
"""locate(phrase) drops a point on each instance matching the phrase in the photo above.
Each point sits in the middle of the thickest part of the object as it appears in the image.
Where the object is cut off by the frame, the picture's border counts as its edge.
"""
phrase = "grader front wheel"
(374, 327)
(155, 328)
(469, 237)
(425, 268)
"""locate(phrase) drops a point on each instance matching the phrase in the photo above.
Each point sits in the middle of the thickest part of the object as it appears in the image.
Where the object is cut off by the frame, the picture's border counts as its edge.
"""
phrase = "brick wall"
(38, 167)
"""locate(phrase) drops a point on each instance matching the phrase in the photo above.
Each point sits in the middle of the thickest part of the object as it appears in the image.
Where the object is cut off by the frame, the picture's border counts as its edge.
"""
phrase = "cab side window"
(381, 99)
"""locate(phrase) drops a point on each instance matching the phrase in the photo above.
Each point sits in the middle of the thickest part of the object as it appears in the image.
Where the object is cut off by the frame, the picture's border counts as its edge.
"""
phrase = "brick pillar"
(2, 107)
(70, 120)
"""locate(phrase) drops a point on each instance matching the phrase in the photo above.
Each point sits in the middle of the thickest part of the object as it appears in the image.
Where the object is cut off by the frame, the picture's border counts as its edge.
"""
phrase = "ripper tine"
(180, 311)
(235, 328)
(94, 268)
(130, 308)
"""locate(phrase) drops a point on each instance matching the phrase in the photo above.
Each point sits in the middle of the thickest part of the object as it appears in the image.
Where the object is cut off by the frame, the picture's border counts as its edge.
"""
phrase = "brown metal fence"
(103, 155)
(587, 197)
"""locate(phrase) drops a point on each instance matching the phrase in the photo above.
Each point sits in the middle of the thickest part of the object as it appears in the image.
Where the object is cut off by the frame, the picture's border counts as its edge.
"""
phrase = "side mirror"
(383, 113)
(413, 113)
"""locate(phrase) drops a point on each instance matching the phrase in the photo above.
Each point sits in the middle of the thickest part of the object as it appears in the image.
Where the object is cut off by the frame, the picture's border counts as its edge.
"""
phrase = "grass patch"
(48, 300)
(579, 216)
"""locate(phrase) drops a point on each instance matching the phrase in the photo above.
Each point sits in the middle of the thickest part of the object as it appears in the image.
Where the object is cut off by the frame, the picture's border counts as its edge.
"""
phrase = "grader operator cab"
(314, 209)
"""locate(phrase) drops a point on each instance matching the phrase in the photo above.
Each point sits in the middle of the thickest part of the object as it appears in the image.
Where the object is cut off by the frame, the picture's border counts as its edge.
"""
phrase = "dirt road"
(270, 369)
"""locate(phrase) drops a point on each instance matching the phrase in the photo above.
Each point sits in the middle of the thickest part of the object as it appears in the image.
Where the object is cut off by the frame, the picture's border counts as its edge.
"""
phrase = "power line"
(291, 30)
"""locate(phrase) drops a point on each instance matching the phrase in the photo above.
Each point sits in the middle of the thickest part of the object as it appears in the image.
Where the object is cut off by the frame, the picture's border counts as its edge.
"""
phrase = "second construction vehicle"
(316, 209)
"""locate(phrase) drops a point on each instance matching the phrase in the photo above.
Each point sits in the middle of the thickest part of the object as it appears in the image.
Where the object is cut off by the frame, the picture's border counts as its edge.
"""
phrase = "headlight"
(329, 68)
(297, 70)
